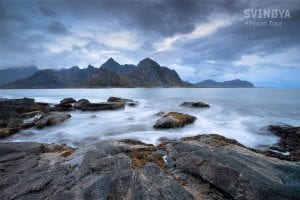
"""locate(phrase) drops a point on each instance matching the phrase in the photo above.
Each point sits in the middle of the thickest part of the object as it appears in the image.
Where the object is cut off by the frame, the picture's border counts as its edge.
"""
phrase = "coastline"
(207, 166)
(200, 167)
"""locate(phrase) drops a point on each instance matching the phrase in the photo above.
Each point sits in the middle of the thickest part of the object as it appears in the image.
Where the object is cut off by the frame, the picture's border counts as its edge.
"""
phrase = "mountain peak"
(90, 66)
(147, 62)
(75, 68)
(110, 63)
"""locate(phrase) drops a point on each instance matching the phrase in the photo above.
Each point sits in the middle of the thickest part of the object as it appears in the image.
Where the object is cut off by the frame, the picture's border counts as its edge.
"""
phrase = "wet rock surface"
(101, 106)
(128, 102)
(288, 146)
(195, 104)
(201, 167)
(68, 100)
(18, 114)
(51, 119)
(174, 120)
(5, 132)
(81, 102)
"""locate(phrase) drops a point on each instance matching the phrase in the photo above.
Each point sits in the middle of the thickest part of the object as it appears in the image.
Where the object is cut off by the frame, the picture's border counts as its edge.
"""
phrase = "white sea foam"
(231, 117)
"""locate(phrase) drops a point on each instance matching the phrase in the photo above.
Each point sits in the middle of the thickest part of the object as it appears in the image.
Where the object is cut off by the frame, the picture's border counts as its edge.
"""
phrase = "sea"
(240, 114)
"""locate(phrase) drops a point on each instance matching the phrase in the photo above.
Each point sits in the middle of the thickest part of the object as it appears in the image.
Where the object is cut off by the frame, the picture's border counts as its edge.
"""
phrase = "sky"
(200, 39)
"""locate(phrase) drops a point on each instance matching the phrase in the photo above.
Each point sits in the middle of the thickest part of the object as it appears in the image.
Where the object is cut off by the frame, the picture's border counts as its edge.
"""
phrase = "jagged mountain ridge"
(116, 67)
(148, 73)
(151, 74)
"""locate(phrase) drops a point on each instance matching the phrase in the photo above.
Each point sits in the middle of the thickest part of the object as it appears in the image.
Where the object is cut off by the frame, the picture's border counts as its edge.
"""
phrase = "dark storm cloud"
(65, 33)
(46, 11)
(57, 27)
(164, 17)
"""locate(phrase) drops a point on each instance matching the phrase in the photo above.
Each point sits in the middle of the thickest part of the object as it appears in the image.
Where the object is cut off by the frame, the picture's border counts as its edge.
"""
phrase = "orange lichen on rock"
(140, 157)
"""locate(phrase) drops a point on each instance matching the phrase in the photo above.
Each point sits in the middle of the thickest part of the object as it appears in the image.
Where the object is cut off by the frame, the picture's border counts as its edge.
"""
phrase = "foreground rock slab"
(202, 167)
(174, 120)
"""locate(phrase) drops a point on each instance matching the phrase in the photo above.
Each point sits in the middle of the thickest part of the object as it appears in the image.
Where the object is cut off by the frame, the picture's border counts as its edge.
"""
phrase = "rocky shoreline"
(199, 167)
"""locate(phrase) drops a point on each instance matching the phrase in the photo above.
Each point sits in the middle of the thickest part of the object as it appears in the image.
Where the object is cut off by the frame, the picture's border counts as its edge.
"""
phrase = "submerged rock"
(195, 104)
(203, 167)
(174, 120)
(128, 102)
(52, 118)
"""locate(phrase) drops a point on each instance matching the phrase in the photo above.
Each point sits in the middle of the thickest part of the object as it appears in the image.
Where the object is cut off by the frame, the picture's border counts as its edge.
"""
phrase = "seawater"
(239, 114)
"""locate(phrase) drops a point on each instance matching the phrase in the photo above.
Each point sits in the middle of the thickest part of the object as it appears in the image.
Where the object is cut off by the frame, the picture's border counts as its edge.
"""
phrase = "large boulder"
(81, 102)
(15, 107)
(195, 104)
(128, 102)
(15, 114)
(52, 118)
(65, 104)
(174, 120)
(67, 101)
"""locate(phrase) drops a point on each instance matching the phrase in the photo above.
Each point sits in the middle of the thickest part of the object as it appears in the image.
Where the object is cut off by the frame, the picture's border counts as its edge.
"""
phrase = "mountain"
(68, 78)
(148, 73)
(105, 78)
(237, 83)
(112, 65)
(13, 74)
(111, 74)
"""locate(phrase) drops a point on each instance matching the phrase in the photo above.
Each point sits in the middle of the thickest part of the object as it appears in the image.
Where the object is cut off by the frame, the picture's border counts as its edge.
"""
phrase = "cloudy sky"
(199, 39)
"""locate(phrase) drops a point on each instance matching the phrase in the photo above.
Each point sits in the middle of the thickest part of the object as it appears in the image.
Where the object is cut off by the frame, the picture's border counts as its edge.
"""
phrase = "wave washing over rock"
(231, 113)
